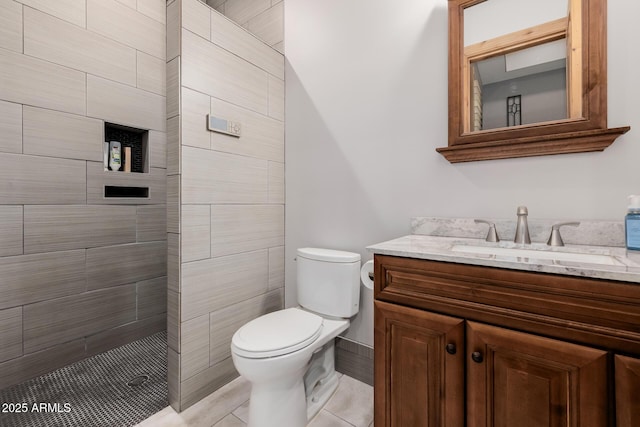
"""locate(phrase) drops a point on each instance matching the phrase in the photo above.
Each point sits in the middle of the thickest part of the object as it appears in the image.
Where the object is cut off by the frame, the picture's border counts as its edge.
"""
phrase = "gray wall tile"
(173, 146)
(32, 81)
(152, 297)
(269, 25)
(276, 182)
(153, 9)
(126, 105)
(158, 149)
(242, 10)
(209, 380)
(276, 267)
(117, 265)
(121, 23)
(215, 71)
(10, 333)
(51, 322)
(196, 232)
(41, 180)
(73, 11)
(11, 230)
(195, 18)
(121, 335)
(193, 126)
(233, 38)
(55, 134)
(194, 348)
(242, 228)
(276, 98)
(173, 320)
(173, 87)
(173, 29)
(262, 137)
(173, 204)
(355, 360)
(173, 371)
(151, 74)
(212, 284)
(151, 223)
(67, 44)
(11, 26)
(27, 279)
(10, 127)
(57, 228)
(238, 179)
(174, 264)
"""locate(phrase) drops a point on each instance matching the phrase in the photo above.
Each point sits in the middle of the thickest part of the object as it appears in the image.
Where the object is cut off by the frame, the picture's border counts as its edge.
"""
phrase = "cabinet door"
(419, 372)
(519, 379)
(627, 391)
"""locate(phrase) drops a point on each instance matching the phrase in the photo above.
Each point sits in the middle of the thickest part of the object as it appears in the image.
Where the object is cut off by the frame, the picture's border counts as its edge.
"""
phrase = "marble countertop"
(461, 250)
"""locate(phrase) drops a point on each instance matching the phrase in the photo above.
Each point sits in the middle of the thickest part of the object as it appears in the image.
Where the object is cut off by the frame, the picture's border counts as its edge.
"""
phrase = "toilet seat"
(277, 333)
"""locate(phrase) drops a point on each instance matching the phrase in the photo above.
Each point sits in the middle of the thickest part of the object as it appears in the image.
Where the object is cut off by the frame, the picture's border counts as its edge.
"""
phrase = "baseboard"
(355, 360)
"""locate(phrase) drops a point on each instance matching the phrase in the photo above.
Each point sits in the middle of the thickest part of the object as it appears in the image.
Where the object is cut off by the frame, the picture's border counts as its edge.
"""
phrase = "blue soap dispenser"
(632, 224)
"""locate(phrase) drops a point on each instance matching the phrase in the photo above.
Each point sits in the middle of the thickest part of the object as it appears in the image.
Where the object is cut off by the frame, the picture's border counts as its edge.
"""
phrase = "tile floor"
(350, 406)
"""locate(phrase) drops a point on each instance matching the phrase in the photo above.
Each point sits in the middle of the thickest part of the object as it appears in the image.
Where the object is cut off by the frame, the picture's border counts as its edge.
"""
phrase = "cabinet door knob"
(451, 348)
(476, 356)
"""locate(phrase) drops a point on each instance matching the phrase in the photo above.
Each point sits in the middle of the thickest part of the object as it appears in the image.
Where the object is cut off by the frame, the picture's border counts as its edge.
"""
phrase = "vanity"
(471, 333)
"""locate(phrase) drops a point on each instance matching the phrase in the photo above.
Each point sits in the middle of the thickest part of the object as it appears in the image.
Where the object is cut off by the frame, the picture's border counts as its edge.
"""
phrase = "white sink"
(539, 254)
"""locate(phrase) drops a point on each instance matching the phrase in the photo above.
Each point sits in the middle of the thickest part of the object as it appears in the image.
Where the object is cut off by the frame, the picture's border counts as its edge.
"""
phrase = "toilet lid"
(277, 333)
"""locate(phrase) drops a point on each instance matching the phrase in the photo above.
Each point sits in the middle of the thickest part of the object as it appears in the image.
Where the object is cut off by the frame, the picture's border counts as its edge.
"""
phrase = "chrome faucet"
(522, 228)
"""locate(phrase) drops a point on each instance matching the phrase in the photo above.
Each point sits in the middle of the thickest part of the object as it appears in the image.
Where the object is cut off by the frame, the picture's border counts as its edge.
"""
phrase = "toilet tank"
(328, 281)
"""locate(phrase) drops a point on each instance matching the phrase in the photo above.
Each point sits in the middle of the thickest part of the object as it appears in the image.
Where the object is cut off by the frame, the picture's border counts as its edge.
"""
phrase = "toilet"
(288, 355)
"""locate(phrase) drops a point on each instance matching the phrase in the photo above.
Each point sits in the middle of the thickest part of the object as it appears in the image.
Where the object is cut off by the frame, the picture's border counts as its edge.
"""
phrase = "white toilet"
(288, 355)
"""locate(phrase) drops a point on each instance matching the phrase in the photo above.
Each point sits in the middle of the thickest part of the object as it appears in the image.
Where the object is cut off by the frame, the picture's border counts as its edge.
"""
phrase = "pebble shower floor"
(106, 390)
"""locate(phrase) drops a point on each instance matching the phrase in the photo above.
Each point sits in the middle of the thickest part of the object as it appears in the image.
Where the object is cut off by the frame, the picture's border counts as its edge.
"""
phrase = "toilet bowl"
(278, 393)
(288, 355)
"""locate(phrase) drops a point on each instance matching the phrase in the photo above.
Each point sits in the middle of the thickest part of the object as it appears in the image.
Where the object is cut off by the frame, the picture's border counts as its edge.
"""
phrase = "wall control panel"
(216, 124)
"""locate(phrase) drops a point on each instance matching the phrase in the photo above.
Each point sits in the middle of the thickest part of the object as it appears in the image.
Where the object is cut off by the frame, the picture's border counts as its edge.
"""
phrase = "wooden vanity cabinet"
(460, 345)
(627, 371)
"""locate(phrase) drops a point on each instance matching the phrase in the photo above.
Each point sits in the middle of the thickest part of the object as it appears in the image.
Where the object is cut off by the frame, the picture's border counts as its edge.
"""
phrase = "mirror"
(531, 82)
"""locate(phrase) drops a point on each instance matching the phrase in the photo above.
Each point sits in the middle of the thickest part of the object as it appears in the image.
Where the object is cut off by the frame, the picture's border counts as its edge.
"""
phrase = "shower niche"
(130, 178)
(133, 151)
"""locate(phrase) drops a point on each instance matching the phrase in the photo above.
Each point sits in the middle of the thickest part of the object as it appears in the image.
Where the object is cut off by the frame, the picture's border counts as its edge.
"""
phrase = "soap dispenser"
(632, 223)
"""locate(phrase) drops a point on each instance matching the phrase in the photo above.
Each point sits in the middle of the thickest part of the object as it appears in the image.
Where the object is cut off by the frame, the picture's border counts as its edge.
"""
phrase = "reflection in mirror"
(516, 68)
(519, 88)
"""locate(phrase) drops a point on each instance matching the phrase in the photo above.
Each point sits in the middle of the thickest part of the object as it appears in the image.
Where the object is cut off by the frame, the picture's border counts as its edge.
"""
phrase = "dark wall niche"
(135, 138)
(122, 191)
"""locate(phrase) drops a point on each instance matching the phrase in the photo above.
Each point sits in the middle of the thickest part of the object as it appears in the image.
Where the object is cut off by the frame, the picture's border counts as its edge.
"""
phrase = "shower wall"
(79, 274)
(225, 195)
(264, 18)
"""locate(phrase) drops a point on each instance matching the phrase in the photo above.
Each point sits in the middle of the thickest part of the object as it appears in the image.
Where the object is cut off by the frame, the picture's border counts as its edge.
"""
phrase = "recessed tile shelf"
(133, 138)
(144, 185)
(122, 191)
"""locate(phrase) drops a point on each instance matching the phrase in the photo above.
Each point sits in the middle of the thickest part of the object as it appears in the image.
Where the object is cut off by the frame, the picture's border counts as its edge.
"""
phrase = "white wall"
(366, 107)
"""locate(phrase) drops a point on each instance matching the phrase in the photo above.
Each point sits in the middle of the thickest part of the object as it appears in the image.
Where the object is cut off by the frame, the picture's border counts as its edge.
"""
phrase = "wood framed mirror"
(496, 59)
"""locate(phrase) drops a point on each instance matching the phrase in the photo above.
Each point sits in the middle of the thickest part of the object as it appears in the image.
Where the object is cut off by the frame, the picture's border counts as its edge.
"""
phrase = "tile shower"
(79, 273)
(225, 194)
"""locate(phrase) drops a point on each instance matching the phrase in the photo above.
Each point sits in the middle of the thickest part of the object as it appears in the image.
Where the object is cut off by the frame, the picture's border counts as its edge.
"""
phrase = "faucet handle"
(492, 235)
(555, 239)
